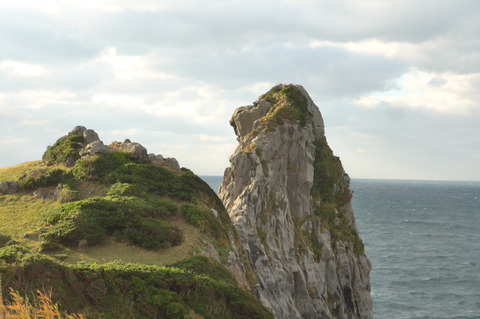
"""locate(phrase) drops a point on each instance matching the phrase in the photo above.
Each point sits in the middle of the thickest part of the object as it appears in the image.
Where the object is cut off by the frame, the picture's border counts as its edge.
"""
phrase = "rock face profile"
(289, 198)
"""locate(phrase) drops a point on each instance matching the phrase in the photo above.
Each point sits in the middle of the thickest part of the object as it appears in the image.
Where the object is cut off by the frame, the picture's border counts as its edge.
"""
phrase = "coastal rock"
(8, 187)
(43, 194)
(244, 117)
(159, 160)
(135, 150)
(78, 130)
(89, 144)
(289, 198)
(90, 136)
(95, 147)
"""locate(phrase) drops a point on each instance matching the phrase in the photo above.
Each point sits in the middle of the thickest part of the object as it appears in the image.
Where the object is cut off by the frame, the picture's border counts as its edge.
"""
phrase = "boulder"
(135, 150)
(168, 162)
(70, 162)
(172, 163)
(8, 187)
(90, 136)
(95, 147)
(78, 130)
(43, 194)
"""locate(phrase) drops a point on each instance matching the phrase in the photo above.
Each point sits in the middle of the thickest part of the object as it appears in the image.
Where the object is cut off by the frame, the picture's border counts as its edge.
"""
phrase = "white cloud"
(206, 137)
(14, 141)
(450, 93)
(174, 71)
(54, 7)
(22, 69)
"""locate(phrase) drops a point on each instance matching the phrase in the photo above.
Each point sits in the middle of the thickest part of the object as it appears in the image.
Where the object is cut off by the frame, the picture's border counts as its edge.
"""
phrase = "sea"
(423, 239)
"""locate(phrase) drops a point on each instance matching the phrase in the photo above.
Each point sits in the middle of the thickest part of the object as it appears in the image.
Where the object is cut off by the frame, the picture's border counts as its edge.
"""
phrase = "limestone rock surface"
(8, 187)
(95, 147)
(289, 198)
(90, 136)
(159, 160)
(136, 150)
(91, 144)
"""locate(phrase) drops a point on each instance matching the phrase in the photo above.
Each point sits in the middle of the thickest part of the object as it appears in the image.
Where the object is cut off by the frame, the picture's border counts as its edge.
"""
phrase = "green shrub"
(95, 218)
(65, 147)
(12, 253)
(339, 227)
(69, 232)
(45, 177)
(126, 189)
(4, 239)
(202, 265)
(99, 166)
(331, 190)
(288, 105)
(152, 233)
(129, 178)
(154, 179)
(65, 193)
(161, 208)
(176, 310)
(203, 219)
(121, 290)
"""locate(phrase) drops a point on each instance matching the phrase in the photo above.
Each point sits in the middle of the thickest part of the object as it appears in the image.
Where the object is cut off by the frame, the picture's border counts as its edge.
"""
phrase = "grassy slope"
(98, 291)
(22, 213)
(14, 172)
(112, 250)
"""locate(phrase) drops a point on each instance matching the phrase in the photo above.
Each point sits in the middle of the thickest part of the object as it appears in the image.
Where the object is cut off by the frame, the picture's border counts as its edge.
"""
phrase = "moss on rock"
(288, 105)
(331, 192)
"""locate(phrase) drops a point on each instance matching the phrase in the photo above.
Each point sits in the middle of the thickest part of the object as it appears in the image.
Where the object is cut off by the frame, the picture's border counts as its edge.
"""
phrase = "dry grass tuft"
(21, 308)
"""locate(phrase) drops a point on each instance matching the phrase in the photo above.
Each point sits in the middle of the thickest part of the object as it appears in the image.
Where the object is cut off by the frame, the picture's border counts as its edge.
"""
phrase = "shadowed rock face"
(289, 198)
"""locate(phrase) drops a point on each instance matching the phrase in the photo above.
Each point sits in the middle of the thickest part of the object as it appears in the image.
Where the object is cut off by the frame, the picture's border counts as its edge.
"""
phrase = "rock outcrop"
(164, 161)
(88, 143)
(289, 198)
(8, 187)
(136, 150)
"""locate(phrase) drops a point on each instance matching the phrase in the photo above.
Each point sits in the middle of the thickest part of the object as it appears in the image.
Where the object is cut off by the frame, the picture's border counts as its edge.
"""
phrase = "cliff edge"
(289, 198)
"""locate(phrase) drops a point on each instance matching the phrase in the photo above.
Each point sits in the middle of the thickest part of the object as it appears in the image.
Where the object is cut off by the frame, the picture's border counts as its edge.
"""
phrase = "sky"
(397, 82)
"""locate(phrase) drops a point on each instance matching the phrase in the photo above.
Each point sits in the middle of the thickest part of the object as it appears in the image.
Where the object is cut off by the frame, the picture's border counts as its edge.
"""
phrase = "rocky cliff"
(289, 198)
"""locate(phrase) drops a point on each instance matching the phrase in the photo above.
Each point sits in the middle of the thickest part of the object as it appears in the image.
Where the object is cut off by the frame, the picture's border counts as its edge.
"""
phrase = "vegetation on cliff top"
(288, 105)
(113, 201)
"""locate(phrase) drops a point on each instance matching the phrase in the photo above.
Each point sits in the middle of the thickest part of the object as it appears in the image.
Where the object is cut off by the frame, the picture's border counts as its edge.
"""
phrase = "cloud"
(418, 144)
(448, 92)
(389, 76)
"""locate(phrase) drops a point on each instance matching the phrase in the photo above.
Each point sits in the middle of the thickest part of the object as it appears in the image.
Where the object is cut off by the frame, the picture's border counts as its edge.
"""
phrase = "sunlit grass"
(22, 213)
(12, 173)
(111, 250)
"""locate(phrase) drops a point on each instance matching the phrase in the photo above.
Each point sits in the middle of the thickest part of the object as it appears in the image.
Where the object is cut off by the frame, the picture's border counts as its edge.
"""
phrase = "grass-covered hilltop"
(115, 232)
